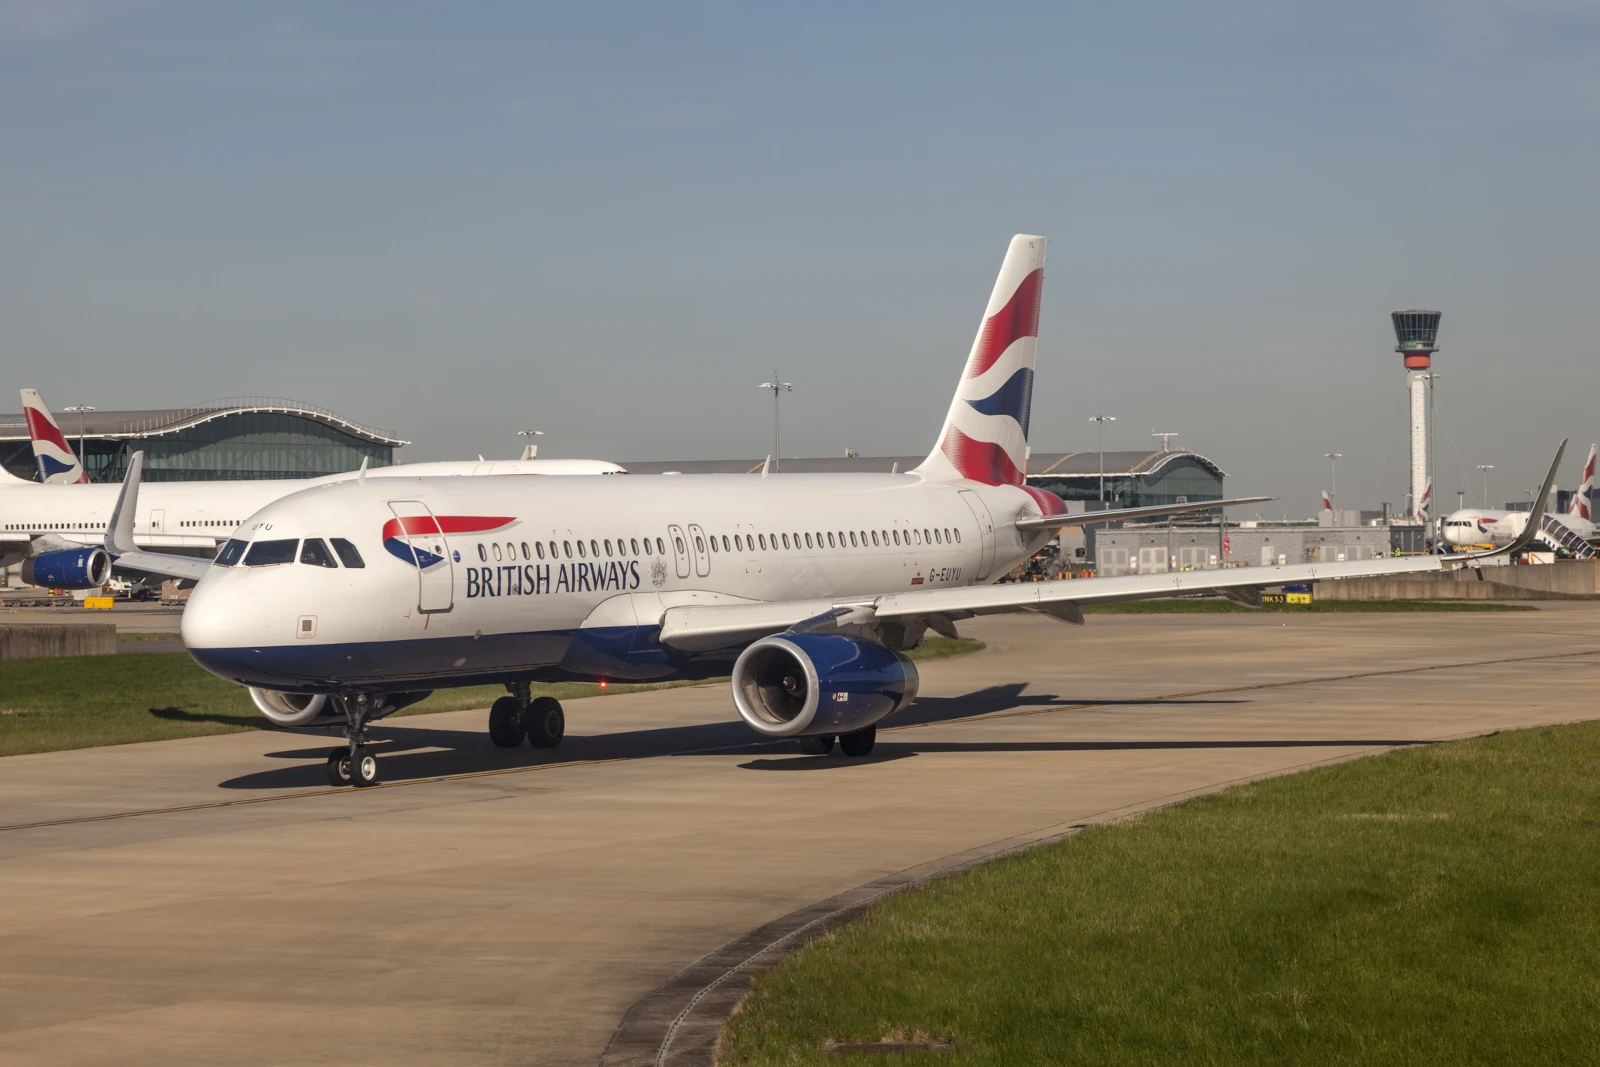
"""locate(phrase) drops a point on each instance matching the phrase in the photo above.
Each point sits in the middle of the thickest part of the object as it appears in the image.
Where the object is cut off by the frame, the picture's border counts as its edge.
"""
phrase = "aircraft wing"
(1090, 518)
(119, 535)
(700, 628)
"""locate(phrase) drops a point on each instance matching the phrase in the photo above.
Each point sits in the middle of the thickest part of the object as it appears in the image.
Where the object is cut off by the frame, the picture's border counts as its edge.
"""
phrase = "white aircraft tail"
(1583, 499)
(985, 433)
(58, 464)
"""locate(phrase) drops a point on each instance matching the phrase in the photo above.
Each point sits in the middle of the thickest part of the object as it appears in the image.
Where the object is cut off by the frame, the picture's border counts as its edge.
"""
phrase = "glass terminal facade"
(217, 445)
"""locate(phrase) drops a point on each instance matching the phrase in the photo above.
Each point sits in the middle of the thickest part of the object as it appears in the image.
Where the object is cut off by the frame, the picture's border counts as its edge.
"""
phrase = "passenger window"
(852, 539)
(763, 542)
(580, 550)
(271, 553)
(483, 554)
(957, 532)
(538, 547)
(927, 536)
(594, 548)
(567, 545)
(230, 553)
(678, 541)
(713, 542)
(496, 551)
(830, 539)
(633, 543)
(661, 547)
(347, 553)
(608, 546)
(725, 547)
(554, 553)
(314, 553)
(699, 545)
(874, 536)
(525, 554)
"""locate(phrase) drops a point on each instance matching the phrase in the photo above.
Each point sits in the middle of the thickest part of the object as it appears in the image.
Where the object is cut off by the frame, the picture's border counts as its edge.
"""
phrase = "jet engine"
(814, 685)
(68, 568)
(315, 709)
(290, 709)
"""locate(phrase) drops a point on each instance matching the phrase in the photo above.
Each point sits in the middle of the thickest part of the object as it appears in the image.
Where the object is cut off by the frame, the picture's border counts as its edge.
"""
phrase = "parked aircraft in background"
(1572, 530)
(56, 528)
(343, 602)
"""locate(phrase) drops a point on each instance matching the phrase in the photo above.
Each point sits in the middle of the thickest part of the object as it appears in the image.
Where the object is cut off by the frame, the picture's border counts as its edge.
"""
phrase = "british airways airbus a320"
(344, 602)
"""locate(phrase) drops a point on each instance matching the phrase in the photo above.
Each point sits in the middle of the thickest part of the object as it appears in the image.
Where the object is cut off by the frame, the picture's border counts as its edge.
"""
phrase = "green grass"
(1435, 905)
(123, 635)
(86, 701)
(1219, 606)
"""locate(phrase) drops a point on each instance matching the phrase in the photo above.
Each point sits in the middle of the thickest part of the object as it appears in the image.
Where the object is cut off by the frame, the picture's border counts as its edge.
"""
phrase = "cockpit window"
(347, 553)
(271, 553)
(314, 553)
(230, 553)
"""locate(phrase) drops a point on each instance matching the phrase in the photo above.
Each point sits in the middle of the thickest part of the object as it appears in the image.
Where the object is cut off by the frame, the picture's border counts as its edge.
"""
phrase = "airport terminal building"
(236, 438)
(1132, 479)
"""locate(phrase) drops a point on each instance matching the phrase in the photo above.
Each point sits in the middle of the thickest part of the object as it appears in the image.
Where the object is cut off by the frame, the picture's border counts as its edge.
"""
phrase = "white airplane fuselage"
(200, 515)
(1494, 526)
(569, 577)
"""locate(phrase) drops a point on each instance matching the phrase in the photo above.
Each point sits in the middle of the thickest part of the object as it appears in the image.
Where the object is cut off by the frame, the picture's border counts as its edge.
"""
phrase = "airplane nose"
(222, 615)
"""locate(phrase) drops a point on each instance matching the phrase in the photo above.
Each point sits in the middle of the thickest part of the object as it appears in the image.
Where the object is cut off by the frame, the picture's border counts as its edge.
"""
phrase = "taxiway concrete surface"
(514, 914)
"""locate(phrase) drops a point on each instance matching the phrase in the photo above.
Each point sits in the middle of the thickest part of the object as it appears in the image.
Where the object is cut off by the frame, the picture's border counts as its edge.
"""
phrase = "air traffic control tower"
(1416, 335)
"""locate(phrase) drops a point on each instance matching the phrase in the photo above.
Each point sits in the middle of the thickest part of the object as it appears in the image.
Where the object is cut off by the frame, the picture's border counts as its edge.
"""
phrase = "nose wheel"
(355, 765)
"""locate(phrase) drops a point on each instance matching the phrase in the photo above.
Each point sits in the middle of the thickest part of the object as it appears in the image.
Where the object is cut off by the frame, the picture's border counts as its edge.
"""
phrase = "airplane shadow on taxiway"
(410, 749)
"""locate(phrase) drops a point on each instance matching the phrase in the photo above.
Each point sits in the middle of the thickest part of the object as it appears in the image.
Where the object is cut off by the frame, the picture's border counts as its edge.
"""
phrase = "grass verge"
(88, 701)
(1218, 606)
(1435, 905)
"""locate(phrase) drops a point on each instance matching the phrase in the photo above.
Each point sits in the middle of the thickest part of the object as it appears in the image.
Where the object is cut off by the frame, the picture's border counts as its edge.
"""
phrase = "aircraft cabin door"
(697, 541)
(680, 549)
(985, 532)
(158, 519)
(414, 535)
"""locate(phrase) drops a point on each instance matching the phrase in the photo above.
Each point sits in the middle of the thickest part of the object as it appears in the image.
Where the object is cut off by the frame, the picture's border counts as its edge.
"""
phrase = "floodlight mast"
(1100, 446)
(1416, 334)
(778, 388)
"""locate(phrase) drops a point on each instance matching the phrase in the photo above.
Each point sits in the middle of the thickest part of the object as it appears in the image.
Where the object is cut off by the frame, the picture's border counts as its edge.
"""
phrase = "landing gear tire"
(339, 767)
(544, 722)
(505, 723)
(859, 743)
(363, 768)
(816, 746)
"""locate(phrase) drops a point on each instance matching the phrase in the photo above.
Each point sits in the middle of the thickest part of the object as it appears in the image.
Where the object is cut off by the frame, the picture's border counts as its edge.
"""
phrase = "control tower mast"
(1416, 334)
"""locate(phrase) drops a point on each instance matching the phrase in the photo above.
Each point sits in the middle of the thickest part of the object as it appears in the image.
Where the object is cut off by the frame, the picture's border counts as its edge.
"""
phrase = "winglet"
(361, 475)
(766, 465)
(1534, 526)
(119, 531)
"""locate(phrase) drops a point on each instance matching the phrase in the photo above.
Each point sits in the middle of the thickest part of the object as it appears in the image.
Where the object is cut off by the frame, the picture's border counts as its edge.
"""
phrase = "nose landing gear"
(356, 765)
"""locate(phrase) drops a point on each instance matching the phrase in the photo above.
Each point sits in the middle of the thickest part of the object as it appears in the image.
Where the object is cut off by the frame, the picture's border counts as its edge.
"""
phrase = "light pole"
(778, 388)
(82, 409)
(530, 448)
(1485, 468)
(1100, 446)
(1333, 459)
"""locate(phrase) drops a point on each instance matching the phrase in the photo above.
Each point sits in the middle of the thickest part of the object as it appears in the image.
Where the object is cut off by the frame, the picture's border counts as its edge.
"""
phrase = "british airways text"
(533, 579)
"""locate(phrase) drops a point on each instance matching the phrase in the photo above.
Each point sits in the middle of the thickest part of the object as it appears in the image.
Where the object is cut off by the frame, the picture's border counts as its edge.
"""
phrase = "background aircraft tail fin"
(1582, 500)
(58, 464)
(985, 433)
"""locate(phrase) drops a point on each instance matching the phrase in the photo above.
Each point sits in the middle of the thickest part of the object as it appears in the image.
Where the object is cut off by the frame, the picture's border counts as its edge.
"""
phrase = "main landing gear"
(520, 715)
(354, 765)
(858, 743)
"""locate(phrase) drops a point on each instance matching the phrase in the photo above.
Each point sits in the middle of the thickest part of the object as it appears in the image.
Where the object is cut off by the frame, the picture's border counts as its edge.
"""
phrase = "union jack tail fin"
(58, 464)
(985, 433)
(1582, 500)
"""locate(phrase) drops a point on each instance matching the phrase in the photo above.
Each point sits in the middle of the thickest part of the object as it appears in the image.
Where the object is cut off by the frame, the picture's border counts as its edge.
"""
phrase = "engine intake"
(291, 709)
(68, 568)
(810, 685)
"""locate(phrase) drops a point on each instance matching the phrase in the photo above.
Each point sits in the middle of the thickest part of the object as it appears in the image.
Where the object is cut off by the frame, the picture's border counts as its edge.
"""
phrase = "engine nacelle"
(811, 684)
(68, 568)
(315, 709)
(290, 709)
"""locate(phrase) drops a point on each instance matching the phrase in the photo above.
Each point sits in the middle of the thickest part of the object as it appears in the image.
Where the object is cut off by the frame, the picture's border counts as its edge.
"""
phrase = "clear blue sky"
(611, 221)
